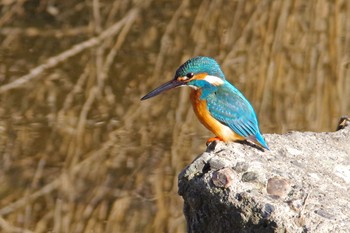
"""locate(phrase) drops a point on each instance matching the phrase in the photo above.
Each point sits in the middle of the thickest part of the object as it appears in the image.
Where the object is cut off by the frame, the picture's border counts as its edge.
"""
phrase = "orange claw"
(210, 140)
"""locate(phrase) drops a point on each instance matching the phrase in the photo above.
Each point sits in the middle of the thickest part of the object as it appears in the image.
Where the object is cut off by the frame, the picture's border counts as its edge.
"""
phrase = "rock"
(301, 185)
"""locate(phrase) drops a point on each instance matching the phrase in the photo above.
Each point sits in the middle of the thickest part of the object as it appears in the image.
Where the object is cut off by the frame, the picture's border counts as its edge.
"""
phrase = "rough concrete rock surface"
(301, 185)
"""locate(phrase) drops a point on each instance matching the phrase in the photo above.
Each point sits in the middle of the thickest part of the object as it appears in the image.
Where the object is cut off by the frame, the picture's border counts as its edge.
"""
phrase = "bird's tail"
(258, 139)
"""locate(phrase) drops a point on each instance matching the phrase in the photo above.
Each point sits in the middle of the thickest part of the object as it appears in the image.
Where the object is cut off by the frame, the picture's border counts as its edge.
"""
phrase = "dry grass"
(80, 153)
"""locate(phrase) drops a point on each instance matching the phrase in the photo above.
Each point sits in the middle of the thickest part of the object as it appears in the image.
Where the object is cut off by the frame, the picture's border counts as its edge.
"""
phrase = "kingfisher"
(219, 106)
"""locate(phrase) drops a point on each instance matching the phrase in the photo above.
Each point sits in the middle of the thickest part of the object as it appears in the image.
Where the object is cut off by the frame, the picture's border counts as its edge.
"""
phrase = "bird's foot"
(210, 140)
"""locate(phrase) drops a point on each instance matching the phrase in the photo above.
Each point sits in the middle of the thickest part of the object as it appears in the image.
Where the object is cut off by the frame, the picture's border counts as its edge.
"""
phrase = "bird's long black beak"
(166, 86)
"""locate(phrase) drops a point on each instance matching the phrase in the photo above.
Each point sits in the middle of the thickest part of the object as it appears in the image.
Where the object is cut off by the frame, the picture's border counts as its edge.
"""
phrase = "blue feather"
(231, 108)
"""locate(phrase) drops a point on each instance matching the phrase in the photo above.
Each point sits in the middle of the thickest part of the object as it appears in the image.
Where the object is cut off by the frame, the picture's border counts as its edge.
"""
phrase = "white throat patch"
(193, 87)
(216, 81)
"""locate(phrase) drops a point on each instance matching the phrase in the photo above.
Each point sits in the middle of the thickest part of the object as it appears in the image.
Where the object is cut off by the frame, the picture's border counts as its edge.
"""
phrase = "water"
(89, 156)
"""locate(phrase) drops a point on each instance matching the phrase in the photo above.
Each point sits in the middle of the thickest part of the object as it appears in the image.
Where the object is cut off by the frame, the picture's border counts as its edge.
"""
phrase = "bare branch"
(76, 49)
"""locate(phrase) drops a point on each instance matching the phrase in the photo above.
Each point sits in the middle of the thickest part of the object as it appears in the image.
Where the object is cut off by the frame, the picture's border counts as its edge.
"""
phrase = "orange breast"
(220, 130)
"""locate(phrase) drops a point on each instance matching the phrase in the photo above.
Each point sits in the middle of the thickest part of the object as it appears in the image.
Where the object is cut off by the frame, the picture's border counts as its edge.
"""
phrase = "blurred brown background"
(81, 153)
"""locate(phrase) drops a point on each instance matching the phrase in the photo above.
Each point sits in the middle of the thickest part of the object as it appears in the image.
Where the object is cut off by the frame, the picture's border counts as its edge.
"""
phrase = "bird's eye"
(189, 75)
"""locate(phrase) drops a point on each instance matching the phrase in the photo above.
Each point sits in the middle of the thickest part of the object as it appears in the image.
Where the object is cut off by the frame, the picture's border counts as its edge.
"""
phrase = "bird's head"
(197, 73)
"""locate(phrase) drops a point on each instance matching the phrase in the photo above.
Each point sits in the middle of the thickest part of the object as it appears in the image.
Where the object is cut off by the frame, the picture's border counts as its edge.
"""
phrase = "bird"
(218, 105)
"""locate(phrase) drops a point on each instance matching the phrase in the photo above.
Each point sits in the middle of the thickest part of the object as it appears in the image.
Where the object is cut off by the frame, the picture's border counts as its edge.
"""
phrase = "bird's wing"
(231, 108)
